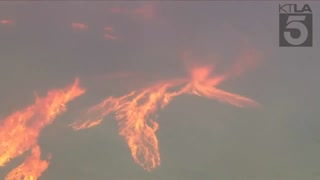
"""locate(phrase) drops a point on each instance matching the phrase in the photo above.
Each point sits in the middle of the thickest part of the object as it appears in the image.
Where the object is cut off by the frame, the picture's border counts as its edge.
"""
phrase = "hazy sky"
(198, 138)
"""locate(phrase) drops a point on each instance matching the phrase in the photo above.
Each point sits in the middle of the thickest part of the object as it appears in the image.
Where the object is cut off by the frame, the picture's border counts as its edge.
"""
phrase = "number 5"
(294, 22)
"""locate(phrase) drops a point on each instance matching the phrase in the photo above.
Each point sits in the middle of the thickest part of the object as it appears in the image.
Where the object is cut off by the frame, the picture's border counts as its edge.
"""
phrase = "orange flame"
(20, 131)
(136, 111)
(203, 85)
(31, 168)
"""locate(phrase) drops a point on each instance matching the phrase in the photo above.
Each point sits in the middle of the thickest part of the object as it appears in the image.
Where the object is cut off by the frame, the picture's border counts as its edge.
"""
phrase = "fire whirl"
(20, 131)
(136, 111)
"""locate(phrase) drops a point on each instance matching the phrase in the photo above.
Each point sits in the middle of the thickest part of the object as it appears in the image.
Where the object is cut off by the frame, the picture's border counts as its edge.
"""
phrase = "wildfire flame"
(136, 111)
(20, 131)
(31, 168)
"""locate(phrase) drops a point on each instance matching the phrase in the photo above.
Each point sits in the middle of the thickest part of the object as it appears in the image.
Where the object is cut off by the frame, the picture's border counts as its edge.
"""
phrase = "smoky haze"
(115, 47)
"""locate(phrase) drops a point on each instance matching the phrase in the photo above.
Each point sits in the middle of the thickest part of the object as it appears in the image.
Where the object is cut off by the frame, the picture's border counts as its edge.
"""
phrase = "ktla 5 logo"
(295, 25)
